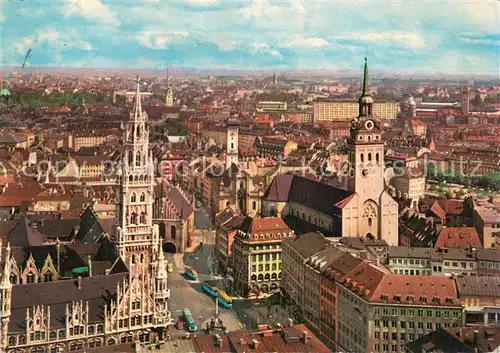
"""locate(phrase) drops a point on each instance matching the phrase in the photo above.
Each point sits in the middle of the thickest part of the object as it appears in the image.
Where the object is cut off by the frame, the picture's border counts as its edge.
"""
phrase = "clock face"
(351, 173)
(366, 172)
(369, 125)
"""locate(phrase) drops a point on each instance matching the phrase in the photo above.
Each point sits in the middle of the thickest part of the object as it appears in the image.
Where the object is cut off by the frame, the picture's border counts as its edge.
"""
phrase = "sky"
(412, 36)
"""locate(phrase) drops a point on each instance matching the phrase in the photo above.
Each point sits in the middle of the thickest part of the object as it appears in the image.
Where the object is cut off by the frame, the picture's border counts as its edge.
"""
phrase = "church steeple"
(366, 92)
(365, 101)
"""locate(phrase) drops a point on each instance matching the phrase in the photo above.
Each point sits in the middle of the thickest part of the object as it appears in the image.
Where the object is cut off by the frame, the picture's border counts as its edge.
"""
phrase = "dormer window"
(384, 297)
(397, 298)
(423, 299)
(449, 300)
(436, 300)
(409, 299)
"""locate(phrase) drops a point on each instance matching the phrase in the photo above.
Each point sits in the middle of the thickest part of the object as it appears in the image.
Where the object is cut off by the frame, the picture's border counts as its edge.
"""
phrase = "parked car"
(179, 325)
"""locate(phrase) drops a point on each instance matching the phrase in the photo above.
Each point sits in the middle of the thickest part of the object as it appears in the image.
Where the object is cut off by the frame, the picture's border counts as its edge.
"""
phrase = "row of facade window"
(266, 257)
(274, 266)
(266, 277)
(53, 335)
(135, 321)
(418, 312)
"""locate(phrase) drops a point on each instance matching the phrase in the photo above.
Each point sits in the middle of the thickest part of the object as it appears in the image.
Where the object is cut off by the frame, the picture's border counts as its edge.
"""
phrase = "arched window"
(254, 205)
(369, 157)
(137, 132)
(377, 157)
(131, 178)
(261, 277)
(133, 197)
(133, 218)
(130, 158)
(253, 278)
(111, 341)
(369, 138)
(370, 222)
(267, 277)
(362, 157)
(142, 218)
(227, 203)
(274, 276)
(142, 258)
(232, 146)
(133, 258)
(173, 232)
(138, 159)
(143, 197)
(12, 340)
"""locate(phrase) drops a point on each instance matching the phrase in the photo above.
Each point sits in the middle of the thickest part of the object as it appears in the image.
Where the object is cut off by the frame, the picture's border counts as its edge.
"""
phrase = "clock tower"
(232, 143)
(377, 211)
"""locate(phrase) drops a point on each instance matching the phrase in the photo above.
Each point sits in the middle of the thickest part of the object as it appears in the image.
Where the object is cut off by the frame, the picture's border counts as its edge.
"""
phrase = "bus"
(225, 300)
(211, 290)
(191, 326)
(191, 273)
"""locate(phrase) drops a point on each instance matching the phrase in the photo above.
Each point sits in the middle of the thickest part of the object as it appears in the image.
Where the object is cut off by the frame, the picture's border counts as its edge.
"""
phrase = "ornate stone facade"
(56, 298)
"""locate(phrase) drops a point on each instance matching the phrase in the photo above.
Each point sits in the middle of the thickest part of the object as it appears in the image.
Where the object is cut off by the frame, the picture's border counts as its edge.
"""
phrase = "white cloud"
(304, 42)
(159, 40)
(483, 41)
(263, 48)
(90, 9)
(202, 3)
(53, 38)
(411, 40)
(226, 44)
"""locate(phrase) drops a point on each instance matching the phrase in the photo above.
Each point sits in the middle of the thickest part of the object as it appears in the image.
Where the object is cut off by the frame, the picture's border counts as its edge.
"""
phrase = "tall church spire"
(366, 91)
(137, 104)
(365, 101)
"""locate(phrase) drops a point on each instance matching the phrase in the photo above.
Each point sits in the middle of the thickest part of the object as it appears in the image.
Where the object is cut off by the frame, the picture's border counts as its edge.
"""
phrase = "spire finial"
(366, 91)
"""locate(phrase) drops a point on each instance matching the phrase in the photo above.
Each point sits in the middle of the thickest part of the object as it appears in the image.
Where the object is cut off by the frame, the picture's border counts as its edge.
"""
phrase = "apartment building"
(480, 297)
(270, 106)
(487, 223)
(257, 255)
(443, 261)
(330, 110)
(295, 252)
(380, 312)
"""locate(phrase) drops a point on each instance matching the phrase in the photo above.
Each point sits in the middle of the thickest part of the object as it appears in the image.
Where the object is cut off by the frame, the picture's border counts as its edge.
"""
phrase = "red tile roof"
(438, 210)
(458, 237)
(289, 339)
(453, 207)
(408, 289)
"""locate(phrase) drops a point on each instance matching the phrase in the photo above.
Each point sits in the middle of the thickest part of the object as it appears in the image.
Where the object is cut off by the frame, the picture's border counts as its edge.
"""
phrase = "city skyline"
(295, 35)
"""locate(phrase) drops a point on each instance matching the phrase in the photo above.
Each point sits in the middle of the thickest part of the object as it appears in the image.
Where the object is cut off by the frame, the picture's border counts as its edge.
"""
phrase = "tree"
(461, 192)
(477, 101)
(448, 194)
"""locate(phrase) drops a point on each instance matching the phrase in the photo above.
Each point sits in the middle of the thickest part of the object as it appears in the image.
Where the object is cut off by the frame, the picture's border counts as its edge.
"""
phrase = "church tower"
(136, 240)
(5, 299)
(377, 210)
(169, 99)
(232, 143)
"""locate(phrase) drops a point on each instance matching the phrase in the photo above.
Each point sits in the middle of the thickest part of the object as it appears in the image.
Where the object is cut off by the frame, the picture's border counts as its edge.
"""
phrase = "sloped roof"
(458, 237)
(307, 244)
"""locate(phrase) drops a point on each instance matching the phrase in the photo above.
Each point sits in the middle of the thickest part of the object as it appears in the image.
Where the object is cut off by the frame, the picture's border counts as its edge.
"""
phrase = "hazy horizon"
(456, 38)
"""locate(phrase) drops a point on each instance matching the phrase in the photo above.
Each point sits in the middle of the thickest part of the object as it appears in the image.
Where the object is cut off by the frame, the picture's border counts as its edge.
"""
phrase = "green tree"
(448, 194)
(477, 101)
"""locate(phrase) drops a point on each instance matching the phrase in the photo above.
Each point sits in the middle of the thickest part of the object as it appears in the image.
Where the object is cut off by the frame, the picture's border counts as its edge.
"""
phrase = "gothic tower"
(377, 211)
(5, 299)
(136, 239)
(169, 99)
(232, 143)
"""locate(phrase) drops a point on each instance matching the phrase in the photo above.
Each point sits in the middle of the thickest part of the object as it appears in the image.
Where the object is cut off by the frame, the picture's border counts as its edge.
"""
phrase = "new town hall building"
(70, 297)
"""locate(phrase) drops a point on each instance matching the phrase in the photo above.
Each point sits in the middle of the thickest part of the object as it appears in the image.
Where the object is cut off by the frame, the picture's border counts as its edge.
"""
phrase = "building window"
(143, 197)
(133, 197)
(362, 157)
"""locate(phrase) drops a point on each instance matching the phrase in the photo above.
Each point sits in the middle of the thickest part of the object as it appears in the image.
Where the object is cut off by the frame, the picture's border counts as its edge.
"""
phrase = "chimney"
(290, 322)
(474, 252)
(79, 282)
(218, 340)
(255, 344)
(305, 336)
